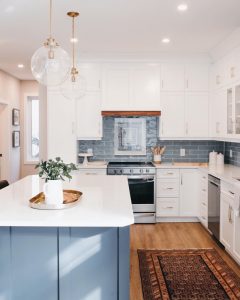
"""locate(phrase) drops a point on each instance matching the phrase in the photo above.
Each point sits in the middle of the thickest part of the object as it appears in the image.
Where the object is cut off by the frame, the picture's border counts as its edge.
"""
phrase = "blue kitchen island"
(81, 253)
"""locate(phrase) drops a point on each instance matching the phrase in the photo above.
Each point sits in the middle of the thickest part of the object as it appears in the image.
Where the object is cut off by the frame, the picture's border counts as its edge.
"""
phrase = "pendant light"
(75, 85)
(50, 64)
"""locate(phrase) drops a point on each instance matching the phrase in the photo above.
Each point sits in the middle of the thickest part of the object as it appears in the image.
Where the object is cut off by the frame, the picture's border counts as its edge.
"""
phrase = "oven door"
(142, 191)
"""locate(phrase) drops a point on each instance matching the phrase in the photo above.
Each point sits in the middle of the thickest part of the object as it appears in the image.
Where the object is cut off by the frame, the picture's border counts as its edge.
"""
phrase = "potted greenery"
(54, 172)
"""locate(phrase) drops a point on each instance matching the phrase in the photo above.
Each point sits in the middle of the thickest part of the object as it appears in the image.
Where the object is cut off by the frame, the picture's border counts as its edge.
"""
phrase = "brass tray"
(70, 199)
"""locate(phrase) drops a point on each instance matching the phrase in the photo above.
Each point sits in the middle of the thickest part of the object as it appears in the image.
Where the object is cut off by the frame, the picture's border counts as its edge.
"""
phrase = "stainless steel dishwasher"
(214, 206)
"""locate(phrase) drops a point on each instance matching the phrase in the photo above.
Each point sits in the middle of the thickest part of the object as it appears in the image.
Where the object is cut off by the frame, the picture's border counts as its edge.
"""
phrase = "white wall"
(10, 96)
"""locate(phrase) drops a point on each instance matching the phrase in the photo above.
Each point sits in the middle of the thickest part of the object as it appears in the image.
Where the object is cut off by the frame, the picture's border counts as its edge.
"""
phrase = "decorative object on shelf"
(70, 199)
(15, 117)
(130, 136)
(74, 86)
(50, 64)
(85, 155)
(16, 139)
(54, 171)
(157, 152)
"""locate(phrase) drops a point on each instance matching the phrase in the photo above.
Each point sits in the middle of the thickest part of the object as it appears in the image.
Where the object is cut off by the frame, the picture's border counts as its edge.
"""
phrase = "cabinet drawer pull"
(204, 190)
(232, 193)
(204, 204)
(168, 188)
(170, 173)
(204, 177)
(203, 218)
(168, 207)
(91, 173)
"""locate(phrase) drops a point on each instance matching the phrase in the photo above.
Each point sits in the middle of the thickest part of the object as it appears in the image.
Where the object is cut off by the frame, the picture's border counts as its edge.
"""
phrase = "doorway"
(4, 142)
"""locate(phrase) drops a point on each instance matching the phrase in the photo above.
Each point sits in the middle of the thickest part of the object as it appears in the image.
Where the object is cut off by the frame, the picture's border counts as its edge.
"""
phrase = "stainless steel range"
(141, 180)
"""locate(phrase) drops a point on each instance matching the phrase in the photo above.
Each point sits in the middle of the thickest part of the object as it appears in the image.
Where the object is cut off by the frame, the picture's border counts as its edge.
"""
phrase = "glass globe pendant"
(74, 87)
(50, 64)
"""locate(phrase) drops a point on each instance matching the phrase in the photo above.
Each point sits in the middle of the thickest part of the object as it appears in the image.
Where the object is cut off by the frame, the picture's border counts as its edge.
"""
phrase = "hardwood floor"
(168, 236)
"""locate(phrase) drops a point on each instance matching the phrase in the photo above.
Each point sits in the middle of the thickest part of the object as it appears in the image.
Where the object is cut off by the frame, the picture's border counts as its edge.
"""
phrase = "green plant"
(55, 169)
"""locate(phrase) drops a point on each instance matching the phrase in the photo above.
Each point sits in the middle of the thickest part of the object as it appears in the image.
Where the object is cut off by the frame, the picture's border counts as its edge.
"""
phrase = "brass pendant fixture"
(75, 85)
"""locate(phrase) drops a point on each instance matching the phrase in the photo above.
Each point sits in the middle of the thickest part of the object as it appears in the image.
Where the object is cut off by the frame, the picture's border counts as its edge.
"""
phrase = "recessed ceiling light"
(182, 7)
(165, 40)
(73, 40)
(20, 66)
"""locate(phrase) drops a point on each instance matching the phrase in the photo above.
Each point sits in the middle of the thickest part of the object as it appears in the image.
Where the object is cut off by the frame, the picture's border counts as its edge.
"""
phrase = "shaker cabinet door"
(172, 77)
(88, 117)
(116, 88)
(189, 193)
(197, 77)
(145, 88)
(196, 115)
(172, 115)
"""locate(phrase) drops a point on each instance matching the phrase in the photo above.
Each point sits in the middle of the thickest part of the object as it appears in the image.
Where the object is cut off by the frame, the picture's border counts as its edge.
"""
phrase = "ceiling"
(113, 26)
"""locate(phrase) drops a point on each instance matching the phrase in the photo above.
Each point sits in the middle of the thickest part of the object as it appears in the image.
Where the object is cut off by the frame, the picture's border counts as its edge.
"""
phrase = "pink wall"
(10, 96)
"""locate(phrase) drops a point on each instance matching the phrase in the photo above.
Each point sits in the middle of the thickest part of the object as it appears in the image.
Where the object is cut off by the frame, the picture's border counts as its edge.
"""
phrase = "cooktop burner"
(130, 168)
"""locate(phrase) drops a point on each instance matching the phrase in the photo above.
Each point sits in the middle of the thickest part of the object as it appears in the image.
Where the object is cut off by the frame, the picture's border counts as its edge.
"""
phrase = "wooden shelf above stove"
(131, 113)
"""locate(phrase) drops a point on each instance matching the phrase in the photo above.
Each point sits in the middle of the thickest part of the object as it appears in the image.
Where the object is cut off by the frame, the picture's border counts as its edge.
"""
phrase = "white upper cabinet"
(145, 88)
(131, 87)
(189, 193)
(92, 75)
(172, 77)
(172, 115)
(218, 114)
(88, 117)
(61, 136)
(116, 87)
(196, 77)
(196, 115)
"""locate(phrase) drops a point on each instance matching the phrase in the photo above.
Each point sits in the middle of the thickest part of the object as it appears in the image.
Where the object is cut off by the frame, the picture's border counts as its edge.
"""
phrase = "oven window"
(141, 191)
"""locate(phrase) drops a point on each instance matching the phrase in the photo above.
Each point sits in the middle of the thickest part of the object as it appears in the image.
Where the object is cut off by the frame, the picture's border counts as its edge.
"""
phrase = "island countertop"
(105, 202)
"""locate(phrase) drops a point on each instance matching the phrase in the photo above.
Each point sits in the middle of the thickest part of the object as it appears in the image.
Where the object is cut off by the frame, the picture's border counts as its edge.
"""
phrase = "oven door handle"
(141, 177)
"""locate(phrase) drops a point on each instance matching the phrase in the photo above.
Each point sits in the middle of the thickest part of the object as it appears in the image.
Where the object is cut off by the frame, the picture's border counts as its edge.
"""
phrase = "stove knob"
(120, 171)
(131, 171)
(141, 170)
(115, 172)
(147, 171)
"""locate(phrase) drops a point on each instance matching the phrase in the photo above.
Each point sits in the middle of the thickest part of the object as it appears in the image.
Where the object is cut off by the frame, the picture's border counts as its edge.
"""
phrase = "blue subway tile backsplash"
(195, 151)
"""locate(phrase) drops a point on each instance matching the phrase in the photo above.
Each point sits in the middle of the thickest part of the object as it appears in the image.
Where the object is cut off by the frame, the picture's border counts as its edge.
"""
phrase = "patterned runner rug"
(186, 274)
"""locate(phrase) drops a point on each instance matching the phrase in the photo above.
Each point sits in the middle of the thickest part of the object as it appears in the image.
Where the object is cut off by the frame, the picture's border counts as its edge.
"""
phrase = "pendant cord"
(50, 18)
(73, 41)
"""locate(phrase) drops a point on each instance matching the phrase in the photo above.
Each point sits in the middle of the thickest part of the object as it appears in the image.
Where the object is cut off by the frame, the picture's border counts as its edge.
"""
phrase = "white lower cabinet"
(177, 191)
(188, 202)
(203, 198)
(167, 207)
(226, 216)
(236, 238)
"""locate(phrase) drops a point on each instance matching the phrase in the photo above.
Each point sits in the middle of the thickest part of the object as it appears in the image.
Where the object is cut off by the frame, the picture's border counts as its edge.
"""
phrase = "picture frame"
(130, 136)
(16, 139)
(15, 117)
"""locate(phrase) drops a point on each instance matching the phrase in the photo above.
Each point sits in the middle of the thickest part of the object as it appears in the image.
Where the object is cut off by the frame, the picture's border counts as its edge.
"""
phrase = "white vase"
(53, 191)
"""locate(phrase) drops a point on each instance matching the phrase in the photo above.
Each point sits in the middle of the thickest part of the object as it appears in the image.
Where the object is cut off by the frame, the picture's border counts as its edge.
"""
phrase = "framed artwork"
(16, 139)
(16, 117)
(130, 136)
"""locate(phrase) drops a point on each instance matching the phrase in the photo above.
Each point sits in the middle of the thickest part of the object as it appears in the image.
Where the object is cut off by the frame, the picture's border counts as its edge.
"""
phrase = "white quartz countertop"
(105, 202)
(93, 165)
(227, 173)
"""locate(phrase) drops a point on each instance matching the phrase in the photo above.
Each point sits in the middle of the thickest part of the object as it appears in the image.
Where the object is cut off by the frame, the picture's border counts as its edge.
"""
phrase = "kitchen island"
(77, 253)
